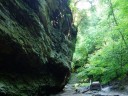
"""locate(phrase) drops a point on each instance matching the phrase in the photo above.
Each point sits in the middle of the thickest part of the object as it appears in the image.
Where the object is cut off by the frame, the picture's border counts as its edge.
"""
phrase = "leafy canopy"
(101, 49)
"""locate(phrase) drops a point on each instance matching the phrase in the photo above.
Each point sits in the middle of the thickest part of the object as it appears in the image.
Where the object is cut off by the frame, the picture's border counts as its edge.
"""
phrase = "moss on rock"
(37, 40)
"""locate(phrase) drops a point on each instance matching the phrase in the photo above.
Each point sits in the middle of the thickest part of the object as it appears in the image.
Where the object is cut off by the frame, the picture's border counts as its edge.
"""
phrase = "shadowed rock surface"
(37, 40)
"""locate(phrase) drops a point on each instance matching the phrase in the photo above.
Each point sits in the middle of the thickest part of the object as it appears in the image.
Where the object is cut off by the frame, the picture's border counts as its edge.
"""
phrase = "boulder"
(95, 86)
(37, 41)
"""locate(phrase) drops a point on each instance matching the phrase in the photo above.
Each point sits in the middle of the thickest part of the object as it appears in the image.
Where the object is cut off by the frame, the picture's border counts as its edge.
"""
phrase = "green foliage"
(101, 50)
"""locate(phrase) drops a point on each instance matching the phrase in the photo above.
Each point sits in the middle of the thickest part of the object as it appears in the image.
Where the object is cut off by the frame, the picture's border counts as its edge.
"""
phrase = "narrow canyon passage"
(58, 46)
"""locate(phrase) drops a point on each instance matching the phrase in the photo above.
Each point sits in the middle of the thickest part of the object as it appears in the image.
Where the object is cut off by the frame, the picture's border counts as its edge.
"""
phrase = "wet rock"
(37, 39)
(95, 86)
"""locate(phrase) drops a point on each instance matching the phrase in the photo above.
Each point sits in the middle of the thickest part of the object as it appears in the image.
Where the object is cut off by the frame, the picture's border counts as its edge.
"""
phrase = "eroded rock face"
(37, 40)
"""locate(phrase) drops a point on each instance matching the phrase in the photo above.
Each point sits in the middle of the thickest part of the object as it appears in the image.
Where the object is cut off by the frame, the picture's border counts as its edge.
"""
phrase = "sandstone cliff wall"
(37, 40)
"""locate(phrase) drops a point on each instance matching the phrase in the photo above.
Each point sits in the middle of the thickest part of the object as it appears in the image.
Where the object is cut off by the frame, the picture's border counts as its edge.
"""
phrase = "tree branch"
(76, 2)
(115, 20)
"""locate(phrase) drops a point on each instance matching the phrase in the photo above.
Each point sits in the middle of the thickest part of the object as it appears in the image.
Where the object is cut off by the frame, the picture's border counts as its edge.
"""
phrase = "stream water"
(70, 90)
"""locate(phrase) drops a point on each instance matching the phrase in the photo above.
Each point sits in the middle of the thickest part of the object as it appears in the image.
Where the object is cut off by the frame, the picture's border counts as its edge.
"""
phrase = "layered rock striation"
(37, 40)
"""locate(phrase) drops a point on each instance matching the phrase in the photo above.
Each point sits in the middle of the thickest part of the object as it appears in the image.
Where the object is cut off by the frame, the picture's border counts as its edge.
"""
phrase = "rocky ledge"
(37, 40)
